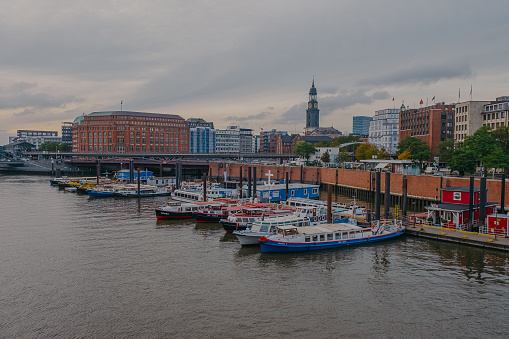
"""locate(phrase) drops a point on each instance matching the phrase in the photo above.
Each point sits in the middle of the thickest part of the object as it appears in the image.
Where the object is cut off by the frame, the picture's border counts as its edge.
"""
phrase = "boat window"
(338, 236)
(322, 237)
(315, 238)
(307, 239)
(251, 219)
(344, 235)
(329, 236)
(352, 235)
(264, 228)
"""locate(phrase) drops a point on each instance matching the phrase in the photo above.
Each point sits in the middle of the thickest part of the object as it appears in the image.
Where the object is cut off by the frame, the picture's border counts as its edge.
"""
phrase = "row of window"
(496, 115)
(330, 236)
(121, 149)
(143, 141)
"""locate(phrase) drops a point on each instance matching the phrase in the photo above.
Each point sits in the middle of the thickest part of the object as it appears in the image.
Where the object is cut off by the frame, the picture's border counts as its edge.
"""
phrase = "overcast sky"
(245, 62)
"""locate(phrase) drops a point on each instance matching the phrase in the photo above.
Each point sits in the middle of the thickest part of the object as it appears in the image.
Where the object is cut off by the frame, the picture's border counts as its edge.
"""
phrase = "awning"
(381, 165)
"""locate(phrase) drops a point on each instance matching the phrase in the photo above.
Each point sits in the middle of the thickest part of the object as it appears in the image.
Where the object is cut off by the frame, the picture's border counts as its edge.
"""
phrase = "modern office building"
(228, 140)
(432, 124)
(495, 113)
(246, 140)
(202, 136)
(361, 125)
(67, 133)
(269, 141)
(130, 132)
(384, 129)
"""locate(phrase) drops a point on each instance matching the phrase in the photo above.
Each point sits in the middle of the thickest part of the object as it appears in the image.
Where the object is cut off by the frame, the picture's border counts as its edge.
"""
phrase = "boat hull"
(278, 246)
(160, 214)
(201, 217)
(100, 194)
(230, 226)
(248, 239)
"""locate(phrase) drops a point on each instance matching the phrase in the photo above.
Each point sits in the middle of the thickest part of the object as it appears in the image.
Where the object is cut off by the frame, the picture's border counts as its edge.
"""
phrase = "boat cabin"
(498, 224)
(287, 230)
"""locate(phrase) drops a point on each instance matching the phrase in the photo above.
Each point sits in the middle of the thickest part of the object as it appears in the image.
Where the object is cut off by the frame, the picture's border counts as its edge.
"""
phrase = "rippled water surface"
(105, 268)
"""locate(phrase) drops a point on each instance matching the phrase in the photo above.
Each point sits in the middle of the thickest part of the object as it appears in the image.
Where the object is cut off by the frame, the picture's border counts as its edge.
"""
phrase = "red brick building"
(432, 124)
(130, 132)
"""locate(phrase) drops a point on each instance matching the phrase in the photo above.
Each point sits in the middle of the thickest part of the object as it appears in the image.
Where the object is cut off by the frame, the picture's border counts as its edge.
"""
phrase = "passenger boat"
(145, 191)
(292, 238)
(213, 211)
(241, 217)
(303, 216)
(176, 210)
(103, 191)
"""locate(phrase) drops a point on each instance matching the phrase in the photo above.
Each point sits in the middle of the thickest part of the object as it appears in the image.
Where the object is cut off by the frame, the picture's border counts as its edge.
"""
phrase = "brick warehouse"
(130, 132)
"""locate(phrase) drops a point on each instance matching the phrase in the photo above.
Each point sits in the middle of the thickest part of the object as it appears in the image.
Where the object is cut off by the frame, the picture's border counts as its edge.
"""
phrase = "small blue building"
(277, 192)
(144, 175)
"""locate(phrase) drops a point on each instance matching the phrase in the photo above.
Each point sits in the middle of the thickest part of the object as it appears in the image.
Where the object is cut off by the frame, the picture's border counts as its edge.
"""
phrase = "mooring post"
(139, 181)
(471, 205)
(378, 178)
(254, 182)
(98, 170)
(240, 182)
(329, 204)
(286, 185)
(249, 182)
(482, 203)
(387, 194)
(502, 194)
(405, 195)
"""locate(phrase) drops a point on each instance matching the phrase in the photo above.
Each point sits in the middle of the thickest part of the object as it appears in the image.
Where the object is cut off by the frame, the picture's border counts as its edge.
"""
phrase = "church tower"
(312, 113)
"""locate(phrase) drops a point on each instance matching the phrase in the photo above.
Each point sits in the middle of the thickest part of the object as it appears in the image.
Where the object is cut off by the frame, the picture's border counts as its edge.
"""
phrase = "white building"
(468, 118)
(228, 140)
(384, 129)
(333, 155)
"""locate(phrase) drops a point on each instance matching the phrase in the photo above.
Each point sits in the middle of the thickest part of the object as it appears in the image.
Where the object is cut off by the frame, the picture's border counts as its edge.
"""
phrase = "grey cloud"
(329, 104)
(421, 74)
(258, 116)
(17, 96)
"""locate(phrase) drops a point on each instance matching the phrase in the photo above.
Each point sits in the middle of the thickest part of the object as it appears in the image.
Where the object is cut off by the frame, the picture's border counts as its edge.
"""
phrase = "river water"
(74, 267)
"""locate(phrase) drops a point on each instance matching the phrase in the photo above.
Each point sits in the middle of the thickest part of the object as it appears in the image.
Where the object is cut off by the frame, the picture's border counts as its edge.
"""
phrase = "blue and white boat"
(267, 227)
(293, 239)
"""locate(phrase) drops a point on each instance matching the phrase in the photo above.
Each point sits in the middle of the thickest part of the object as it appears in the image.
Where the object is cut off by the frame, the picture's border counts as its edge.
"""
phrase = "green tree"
(325, 157)
(53, 146)
(463, 161)
(304, 150)
(366, 151)
(419, 150)
(343, 155)
(501, 134)
(446, 149)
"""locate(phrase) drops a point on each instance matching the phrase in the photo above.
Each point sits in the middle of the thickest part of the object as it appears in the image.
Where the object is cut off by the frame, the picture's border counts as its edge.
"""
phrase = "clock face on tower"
(309, 105)
(316, 105)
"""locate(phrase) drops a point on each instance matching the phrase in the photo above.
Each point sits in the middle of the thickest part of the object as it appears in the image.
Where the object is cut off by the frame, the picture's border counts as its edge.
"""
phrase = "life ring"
(372, 226)
(324, 217)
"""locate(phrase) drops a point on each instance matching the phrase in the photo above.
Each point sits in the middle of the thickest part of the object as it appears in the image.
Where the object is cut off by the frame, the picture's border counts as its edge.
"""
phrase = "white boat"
(251, 236)
(291, 238)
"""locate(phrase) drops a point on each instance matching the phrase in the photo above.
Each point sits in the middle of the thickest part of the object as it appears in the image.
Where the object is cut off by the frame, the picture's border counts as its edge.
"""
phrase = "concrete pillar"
(287, 195)
(204, 180)
(240, 181)
(482, 202)
(471, 205)
(249, 192)
(329, 204)
(98, 169)
(502, 194)
(405, 195)
(254, 182)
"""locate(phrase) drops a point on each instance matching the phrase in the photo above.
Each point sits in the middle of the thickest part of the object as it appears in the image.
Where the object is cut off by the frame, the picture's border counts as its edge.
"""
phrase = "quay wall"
(418, 186)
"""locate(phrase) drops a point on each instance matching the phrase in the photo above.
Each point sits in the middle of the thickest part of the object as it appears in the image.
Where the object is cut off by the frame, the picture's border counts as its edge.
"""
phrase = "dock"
(461, 237)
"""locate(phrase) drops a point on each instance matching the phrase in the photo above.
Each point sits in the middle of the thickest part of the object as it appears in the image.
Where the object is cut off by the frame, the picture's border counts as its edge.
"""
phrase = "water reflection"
(209, 226)
(228, 237)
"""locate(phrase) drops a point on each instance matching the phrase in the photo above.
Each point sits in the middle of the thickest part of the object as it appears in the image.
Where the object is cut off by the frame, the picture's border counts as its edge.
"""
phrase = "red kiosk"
(453, 211)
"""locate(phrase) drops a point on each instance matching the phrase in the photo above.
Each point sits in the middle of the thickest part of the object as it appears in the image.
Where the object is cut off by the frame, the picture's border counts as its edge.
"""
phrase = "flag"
(470, 90)
(392, 98)
(421, 102)
(459, 93)
(433, 98)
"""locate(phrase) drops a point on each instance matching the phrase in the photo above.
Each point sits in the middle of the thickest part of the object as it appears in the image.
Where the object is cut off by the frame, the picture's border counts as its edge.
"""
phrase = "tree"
(383, 154)
(343, 155)
(366, 151)
(463, 161)
(501, 134)
(446, 149)
(322, 144)
(405, 155)
(418, 149)
(304, 150)
(53, 146)
(325, 157)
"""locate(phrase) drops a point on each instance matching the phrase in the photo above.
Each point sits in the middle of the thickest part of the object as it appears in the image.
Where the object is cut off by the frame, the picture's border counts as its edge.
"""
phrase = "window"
(315, 190)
